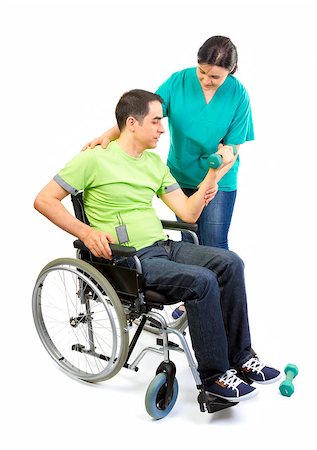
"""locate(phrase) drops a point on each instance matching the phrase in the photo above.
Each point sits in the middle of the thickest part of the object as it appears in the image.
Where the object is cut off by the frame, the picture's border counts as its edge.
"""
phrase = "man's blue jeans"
(214, 221)
(210, 281)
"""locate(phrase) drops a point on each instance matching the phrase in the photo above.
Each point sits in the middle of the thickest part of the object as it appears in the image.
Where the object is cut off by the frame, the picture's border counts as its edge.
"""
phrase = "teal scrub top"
(196, 128)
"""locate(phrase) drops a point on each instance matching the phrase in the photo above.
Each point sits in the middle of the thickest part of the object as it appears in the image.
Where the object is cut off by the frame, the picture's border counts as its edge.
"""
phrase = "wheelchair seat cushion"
(155, 298)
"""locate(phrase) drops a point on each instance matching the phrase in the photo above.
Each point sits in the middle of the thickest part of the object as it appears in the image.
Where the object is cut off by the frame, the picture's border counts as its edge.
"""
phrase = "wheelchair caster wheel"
(155, 397)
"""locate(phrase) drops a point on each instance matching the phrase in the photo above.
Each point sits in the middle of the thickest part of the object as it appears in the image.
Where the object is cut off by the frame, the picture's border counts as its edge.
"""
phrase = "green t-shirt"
(196, 128)
(118, 190)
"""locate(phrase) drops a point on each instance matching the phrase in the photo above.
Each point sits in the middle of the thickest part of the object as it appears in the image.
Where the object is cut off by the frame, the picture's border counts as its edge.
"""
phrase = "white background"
(64, 65)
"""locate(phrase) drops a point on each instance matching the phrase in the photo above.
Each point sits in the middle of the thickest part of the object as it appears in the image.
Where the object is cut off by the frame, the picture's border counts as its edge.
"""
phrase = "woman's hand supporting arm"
(104, 140)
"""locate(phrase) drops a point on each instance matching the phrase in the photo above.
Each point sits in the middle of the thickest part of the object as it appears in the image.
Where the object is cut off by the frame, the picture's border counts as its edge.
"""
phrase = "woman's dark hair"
(134, 103)
(219, 51)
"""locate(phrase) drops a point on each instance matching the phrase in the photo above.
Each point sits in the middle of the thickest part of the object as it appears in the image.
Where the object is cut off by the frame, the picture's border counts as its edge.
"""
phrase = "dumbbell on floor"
(286, 387)
(215, 160)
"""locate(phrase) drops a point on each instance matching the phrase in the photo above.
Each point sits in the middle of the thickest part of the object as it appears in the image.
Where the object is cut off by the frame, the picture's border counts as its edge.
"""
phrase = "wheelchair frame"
(85, 307)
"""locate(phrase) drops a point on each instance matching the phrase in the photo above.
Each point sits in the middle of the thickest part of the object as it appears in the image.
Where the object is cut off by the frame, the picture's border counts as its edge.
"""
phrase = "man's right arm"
(49, 203)
(104, 140)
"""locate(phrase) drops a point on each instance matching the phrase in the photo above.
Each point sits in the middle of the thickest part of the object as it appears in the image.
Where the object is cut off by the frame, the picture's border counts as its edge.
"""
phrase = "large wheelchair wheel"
(155, 394)
(80, 320)
(179, 324)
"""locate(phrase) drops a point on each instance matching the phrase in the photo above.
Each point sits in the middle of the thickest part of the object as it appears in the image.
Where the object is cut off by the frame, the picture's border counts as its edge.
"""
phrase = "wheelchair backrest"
(127, 282)
(78, 205)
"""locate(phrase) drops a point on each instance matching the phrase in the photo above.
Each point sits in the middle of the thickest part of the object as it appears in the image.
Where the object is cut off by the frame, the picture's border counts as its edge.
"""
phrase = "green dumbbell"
(287, 387)
(215, 160)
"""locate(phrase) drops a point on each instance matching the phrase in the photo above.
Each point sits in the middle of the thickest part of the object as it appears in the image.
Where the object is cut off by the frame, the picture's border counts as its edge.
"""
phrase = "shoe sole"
(236, 399)
(272, 380)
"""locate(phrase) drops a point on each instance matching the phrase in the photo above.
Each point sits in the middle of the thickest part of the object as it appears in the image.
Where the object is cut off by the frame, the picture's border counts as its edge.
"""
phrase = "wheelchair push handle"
(215, 160)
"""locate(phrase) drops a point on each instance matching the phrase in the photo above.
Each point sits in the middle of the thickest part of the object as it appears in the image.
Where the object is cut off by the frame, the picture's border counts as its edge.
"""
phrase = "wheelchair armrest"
(174, 225)
(117, 250)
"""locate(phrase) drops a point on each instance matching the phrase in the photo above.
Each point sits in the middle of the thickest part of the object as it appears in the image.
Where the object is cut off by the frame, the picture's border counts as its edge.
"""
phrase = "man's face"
(149, 131)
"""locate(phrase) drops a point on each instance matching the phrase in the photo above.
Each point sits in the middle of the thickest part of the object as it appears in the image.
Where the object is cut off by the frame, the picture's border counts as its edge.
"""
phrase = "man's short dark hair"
(134, 103)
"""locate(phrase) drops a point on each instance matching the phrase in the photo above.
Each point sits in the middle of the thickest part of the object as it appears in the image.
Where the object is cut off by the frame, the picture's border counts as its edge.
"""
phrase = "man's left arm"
(189, 208)
(225, 169)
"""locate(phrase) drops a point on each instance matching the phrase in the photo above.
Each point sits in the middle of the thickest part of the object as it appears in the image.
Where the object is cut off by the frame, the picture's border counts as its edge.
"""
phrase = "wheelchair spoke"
(80, 320)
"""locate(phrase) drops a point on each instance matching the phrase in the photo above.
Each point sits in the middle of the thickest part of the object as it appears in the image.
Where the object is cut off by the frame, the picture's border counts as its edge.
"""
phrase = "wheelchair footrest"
(211, 403)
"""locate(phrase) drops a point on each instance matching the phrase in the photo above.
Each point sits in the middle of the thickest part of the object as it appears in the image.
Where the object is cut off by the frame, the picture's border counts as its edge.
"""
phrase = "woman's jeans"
(210, 281)
(214, 221)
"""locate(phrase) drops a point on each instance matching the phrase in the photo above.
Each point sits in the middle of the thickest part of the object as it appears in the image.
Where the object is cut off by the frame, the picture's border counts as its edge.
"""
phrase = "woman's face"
(211, 77)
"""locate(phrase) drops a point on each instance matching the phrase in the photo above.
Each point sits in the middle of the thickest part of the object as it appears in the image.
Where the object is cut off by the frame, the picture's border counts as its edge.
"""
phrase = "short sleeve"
(241, 127)
(164, 91)
(77, 174)
(168, 184)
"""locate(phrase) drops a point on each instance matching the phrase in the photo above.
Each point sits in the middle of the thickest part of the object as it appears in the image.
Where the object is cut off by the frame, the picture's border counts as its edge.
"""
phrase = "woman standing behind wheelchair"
(205, 106)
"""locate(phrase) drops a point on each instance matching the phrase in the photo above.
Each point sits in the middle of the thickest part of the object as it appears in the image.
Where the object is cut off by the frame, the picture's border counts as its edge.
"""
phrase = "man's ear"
(130, 123)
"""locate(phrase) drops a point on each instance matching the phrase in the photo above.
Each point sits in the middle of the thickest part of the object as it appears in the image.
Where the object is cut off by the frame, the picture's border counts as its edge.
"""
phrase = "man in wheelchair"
(119, 185)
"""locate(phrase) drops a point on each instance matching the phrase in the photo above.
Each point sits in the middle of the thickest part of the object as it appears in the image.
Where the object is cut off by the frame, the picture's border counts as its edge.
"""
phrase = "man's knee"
(202, 281)
(235, 261)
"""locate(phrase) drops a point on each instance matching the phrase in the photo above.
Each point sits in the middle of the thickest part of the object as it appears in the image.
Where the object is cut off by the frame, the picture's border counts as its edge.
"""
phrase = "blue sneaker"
(178, 312)
(256, 371)
(231, 388)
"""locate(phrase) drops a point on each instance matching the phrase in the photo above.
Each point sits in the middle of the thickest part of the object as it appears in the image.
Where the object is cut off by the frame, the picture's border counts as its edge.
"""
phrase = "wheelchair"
(85, 308)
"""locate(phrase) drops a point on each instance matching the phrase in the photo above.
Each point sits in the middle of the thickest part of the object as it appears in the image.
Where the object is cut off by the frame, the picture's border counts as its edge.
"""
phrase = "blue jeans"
(210, 281)
(214, 221)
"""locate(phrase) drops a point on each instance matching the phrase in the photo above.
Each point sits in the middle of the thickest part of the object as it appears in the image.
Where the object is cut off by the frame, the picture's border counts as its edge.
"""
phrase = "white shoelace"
(230, 379)
(253, 364)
